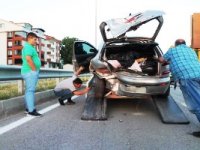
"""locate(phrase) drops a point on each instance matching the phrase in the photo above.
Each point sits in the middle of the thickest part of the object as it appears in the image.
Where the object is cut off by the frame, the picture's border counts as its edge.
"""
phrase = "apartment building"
(12, 37)
(52, 52)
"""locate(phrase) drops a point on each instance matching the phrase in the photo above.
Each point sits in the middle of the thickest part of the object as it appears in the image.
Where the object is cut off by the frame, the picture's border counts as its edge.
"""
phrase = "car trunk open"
(119, 27)
(127, 54)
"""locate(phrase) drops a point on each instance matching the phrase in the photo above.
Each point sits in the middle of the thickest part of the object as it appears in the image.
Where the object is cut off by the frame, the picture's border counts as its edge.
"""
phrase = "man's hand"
(80, 69)
(88, 88)
(160, 59)
(81, 92)
(31, 63)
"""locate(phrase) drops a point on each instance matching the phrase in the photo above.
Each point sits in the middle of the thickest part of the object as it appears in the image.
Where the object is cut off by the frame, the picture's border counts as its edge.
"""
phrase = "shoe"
(61, 101)
(34, 113)
(26, 111)
(196, 134)
(70, 102)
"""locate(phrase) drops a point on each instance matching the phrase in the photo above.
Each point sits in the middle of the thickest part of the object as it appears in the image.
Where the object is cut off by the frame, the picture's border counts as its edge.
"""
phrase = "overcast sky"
(76, 18)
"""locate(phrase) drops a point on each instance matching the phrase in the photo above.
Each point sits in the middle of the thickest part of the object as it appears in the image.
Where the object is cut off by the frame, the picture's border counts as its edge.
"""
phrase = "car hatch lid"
(120, 26)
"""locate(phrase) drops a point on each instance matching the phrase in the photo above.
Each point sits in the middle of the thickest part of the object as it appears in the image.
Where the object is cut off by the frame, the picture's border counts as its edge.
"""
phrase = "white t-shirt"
(66, 84)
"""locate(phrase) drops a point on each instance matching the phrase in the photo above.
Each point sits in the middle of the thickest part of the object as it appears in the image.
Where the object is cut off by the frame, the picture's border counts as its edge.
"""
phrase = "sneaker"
(196, 134)
(70, 102)
(26, 111)
(61, 101)
(34, 113)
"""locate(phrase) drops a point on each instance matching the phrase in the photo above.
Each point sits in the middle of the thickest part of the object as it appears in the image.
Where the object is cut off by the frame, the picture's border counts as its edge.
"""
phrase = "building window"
(18, 43)
(9, 53)
(18, 61)
(18, 52)
(10, 34)
(10, 61)
(10, 44)
(42, 56)
(2, 25)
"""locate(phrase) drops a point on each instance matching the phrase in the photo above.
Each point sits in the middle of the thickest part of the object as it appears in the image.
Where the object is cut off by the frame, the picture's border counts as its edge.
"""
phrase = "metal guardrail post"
(20, 86)
(57, 80)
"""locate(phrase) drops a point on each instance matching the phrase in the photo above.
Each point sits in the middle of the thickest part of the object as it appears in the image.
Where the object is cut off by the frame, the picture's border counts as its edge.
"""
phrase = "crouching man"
(69, 87)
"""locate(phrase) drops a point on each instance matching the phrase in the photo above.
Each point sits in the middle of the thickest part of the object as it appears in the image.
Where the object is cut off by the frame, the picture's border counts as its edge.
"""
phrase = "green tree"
(67, 49)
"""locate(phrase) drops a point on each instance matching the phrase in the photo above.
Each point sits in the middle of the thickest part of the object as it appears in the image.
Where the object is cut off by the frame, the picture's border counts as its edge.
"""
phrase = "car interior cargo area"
(133, 58)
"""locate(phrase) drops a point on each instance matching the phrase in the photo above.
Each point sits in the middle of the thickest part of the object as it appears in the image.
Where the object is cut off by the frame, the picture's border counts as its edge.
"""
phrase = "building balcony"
(18, 38)
(42, 52)
(17, 47)
(17, 56)
(9, 48)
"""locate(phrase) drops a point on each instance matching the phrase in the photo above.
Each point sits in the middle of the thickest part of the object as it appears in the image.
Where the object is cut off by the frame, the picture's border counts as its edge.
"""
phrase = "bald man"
(185, 68)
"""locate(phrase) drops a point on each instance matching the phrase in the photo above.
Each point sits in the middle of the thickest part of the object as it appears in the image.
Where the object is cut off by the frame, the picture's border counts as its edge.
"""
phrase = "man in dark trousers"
(69, 87)
(185, 68)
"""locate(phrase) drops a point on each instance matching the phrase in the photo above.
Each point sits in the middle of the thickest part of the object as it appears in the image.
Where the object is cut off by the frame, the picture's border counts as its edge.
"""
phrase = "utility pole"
(95, 19)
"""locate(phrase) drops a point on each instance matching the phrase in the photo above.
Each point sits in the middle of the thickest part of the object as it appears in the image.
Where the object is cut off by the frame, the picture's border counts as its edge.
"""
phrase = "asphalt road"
(132, 125)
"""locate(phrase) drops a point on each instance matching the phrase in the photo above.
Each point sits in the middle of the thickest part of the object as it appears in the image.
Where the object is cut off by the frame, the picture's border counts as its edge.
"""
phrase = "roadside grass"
(45, 84)
(8, 91)
(11, 90)
(84, 78)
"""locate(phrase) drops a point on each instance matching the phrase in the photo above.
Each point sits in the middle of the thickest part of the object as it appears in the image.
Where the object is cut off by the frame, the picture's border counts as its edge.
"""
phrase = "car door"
(83, 52)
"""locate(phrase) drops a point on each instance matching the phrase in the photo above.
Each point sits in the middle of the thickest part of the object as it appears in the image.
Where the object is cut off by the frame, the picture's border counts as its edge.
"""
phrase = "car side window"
(84, 48)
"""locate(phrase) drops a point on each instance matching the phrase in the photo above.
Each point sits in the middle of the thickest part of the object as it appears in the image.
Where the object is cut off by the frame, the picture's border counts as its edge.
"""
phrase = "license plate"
(134, 89)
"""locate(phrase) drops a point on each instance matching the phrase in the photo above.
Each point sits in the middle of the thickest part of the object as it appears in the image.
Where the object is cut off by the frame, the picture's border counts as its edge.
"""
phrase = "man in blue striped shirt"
(185, 68)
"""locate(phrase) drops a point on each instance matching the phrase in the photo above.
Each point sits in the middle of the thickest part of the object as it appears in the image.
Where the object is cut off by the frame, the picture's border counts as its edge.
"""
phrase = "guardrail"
(8, 73)
(14, 73)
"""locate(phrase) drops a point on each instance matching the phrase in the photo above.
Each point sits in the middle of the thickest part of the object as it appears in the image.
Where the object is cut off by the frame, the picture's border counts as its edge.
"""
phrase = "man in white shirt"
(69, 87)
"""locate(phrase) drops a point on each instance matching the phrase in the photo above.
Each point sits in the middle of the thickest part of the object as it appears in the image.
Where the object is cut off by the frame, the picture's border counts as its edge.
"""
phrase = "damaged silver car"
(124, 66)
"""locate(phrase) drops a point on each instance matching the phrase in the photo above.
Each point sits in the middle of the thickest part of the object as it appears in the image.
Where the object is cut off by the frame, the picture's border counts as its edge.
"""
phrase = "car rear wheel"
(166, 94)
(95, 105)
(99, 87)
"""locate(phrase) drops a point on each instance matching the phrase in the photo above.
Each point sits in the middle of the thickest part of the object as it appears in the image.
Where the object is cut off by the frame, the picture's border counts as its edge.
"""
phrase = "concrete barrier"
(14, 105)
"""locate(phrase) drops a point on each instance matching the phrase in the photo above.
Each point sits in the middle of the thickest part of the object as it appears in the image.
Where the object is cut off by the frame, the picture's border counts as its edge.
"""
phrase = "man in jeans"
(185, 68)
(30, 72)
(69, 87)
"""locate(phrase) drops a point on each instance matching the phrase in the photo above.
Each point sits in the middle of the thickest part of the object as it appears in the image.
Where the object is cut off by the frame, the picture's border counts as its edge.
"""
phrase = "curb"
(16, 104)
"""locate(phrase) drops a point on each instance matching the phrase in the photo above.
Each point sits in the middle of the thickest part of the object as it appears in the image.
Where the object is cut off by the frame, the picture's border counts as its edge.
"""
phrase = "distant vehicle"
(113, 65)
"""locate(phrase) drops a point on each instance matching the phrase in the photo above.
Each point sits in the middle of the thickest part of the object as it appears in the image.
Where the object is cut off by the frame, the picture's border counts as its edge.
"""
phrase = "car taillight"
(165, 64)
(163, 84)
(165, 72)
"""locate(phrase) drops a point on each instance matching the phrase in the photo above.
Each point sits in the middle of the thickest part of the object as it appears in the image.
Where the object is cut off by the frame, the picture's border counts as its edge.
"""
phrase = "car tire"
(166, 94)
(95, 105)
(97, 90)
(99, 87)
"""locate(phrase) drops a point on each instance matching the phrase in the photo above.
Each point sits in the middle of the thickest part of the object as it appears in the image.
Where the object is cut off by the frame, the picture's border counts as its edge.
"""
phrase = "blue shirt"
(184, 63)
